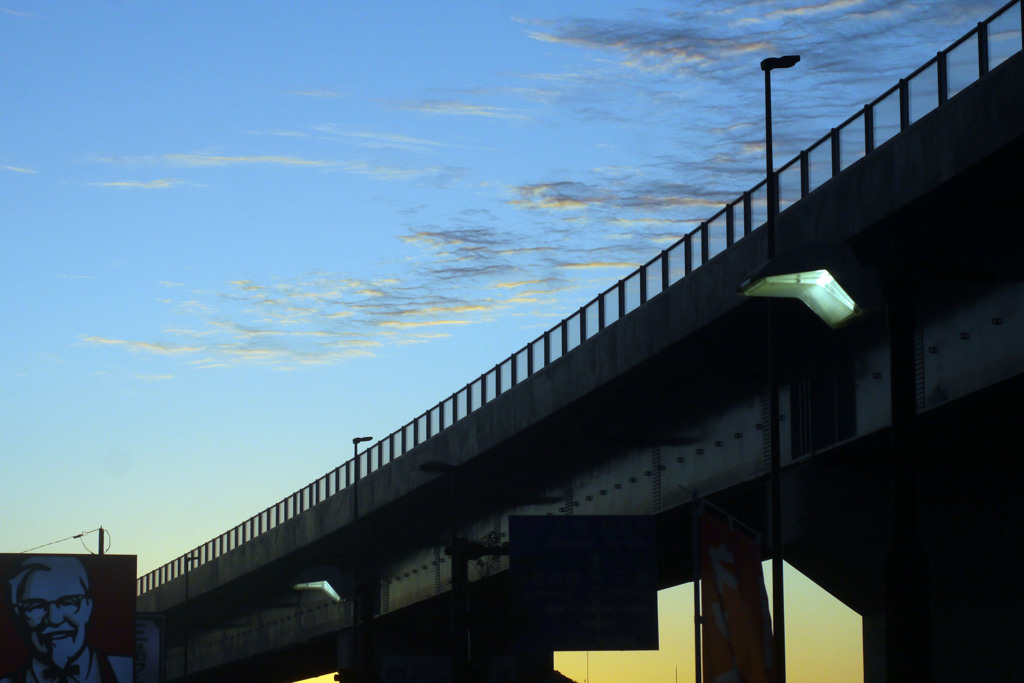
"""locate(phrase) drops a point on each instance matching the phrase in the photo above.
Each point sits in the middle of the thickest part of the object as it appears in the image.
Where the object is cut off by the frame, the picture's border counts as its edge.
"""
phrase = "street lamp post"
(768, 65)
(362, 621)
(807, 274)
(778, 599)
(189, 559)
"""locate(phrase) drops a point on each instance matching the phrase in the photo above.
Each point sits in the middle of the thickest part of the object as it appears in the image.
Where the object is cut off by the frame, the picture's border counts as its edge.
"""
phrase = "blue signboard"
(584, 583)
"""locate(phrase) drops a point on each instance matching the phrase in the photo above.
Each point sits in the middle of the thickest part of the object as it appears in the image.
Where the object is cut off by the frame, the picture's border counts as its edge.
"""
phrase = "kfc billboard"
(67, 618)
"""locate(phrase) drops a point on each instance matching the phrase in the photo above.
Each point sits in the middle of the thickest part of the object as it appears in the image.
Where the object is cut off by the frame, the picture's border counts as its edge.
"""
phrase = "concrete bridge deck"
(674, 393)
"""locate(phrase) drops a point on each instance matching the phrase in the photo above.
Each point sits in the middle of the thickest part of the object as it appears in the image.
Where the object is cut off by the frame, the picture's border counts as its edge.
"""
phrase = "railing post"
(600, 311)
(835, 142)
(942, 68)
(869, 129)
(664, 270)
(983, 49)
(904, 104)
(704, 250)
(730, 224)
(687, 253)
(805, 174)
(643, 284)
(748, 217)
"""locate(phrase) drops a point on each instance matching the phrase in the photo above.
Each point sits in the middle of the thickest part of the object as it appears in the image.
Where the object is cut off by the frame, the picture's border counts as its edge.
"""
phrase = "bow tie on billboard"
(60, 675)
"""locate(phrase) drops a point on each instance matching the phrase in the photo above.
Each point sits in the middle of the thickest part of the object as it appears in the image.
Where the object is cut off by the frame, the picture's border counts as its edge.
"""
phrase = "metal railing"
(930, 86)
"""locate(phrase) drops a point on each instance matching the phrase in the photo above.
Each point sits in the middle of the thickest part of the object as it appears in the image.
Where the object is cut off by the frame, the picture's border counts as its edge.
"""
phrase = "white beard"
(65, 650)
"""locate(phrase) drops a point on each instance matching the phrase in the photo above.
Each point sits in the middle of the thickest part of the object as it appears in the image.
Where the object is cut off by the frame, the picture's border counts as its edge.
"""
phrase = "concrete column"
(873, 632)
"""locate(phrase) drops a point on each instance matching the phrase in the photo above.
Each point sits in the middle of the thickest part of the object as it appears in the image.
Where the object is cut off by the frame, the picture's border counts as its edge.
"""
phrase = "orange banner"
(737, 642)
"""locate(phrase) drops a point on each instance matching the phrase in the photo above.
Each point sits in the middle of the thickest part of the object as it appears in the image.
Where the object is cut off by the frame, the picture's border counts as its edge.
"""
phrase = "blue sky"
(236, 235)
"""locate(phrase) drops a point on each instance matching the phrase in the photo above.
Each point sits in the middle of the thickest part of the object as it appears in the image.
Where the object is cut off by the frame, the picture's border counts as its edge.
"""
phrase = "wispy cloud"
(573, 225)
(316, 93)
(820, 8)
(431, 174)
(449, 108)
(160, 184)
(437, 175)
(317, 319)
(560, 195)
(639, 194)
(16, 13)
(200, 160)
(147, 347)
(378, 140)
(215, 160)
(457, 276)
(619, 265)
(421, 323)
(18, 169)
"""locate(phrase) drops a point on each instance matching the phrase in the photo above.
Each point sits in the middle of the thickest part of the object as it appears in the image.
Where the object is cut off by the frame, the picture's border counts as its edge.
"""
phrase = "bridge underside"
(838, 512)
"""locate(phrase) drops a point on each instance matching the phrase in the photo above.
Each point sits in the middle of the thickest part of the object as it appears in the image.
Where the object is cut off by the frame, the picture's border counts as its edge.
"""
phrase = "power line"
(69, 538)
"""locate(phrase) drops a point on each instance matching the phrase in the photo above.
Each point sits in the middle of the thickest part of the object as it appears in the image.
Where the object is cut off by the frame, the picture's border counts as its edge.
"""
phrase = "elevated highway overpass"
(659, 385)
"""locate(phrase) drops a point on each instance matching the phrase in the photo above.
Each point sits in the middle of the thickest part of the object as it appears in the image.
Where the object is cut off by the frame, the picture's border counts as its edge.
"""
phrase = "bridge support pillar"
(873, 633)
(346, 658)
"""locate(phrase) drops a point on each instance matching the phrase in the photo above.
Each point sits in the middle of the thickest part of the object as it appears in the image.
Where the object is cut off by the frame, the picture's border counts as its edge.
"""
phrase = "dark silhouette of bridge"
(660, 384)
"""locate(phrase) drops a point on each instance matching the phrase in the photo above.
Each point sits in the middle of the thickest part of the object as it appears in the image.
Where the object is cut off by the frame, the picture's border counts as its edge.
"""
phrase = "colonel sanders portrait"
(50, 602)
